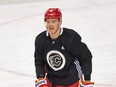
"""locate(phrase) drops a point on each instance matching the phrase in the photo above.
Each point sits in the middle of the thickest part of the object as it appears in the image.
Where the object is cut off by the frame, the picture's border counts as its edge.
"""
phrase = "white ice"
(94, 20)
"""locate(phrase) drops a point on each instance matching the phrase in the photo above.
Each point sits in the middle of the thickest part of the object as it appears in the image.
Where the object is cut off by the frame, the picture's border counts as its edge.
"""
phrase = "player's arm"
(39, 60)
(40, 70)
(85, 59)
(39, 65)
(81, 51)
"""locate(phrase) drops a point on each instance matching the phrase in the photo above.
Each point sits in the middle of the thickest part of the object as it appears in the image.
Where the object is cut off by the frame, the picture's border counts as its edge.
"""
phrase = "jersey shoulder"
(71, 34)
(40, 38)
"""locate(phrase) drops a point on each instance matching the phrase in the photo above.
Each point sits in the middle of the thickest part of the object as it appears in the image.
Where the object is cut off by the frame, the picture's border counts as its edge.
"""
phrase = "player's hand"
(41, 82)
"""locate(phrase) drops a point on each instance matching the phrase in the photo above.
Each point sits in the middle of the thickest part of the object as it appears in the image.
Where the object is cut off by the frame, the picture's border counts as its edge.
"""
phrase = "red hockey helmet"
(53, 13)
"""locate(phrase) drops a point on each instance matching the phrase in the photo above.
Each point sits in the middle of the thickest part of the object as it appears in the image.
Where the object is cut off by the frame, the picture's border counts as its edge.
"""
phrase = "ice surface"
(94, 20)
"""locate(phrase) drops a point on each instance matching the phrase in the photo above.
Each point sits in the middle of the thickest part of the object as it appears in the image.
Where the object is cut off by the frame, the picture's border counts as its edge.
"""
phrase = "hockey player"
(60, 55)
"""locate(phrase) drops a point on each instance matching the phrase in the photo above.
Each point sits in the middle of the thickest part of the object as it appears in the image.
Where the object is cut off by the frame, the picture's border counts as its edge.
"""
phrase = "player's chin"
(52, 31)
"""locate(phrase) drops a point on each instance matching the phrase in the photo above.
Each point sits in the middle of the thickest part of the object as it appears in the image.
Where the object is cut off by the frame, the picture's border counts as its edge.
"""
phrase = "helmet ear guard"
(53, 13)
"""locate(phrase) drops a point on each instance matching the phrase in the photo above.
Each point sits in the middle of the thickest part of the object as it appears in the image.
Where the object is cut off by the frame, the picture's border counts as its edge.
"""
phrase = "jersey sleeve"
(39, 60)
(81, 51)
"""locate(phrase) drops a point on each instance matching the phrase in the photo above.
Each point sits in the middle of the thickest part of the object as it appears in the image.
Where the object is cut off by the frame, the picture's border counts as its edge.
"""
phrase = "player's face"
(53, 25)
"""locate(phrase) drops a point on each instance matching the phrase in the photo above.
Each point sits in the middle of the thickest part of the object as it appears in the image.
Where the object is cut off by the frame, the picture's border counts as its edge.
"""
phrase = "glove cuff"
(90, 85)
(40, 82)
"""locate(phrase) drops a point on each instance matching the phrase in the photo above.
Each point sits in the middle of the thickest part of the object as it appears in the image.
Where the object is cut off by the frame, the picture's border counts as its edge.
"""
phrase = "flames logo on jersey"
(56, 60)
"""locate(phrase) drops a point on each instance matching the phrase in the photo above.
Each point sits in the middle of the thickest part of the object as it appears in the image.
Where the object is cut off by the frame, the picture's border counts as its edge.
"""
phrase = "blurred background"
(22, 20)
